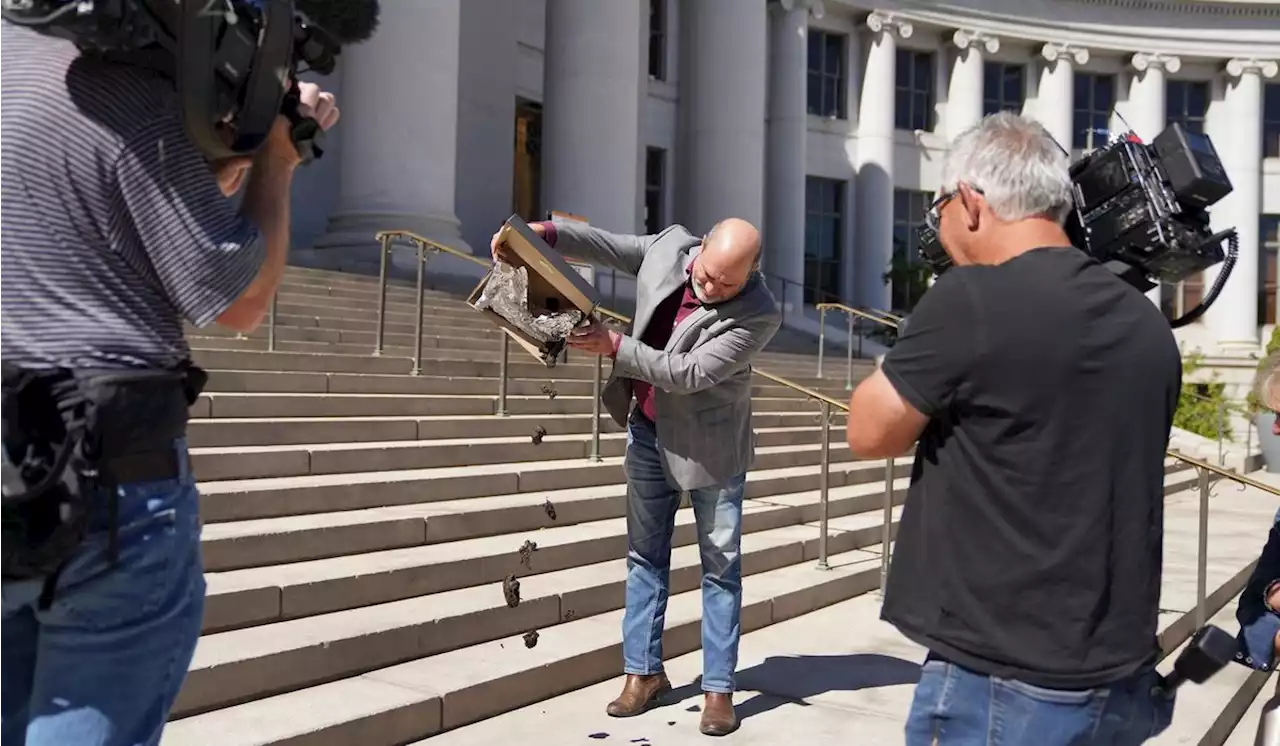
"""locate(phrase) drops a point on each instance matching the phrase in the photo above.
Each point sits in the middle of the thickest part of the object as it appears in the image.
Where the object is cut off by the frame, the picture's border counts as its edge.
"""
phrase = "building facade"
(822, 121)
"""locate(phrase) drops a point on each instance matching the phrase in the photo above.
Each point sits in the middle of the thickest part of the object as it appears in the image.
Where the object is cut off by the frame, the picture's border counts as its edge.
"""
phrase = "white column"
(591, 110)
(1144, 109)
(965, 94)
(400, 131)
(1234, 317)
(785, 155)
(875, 158)
(1055, 98)
(726, 80)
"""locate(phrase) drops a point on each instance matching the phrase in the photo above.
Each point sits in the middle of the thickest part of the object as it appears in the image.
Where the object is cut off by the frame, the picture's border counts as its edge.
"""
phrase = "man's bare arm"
(881, 423)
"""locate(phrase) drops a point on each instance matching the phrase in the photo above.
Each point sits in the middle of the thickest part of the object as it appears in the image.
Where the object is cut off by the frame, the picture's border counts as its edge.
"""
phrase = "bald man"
(681, 385)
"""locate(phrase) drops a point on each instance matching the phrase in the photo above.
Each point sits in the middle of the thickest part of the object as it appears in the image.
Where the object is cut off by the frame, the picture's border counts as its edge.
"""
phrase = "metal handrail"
(884, 317)
(850, 315)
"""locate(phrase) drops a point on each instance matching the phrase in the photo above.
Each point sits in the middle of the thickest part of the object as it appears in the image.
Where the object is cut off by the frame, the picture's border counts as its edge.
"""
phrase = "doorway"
(526, 191)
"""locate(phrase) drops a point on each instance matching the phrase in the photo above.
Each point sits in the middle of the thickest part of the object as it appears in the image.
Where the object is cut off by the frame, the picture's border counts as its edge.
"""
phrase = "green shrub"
(1198, 403)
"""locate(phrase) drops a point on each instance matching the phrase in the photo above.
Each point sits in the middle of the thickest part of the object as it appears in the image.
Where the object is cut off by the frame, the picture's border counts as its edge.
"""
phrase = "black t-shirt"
(1030, 542)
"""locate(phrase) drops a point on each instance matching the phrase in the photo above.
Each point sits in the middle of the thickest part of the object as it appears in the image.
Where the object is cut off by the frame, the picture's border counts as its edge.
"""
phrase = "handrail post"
(595, 411)
(271, 322)
(382, 294)
(417, 335)
(1202, 552)
(822, 333)
(1221, 427)
(848, 362)
(886, 531)
(824, 483)
(502, 373)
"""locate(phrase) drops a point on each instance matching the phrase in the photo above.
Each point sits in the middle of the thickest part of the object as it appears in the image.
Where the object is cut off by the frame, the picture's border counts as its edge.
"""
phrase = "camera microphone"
(347, 21)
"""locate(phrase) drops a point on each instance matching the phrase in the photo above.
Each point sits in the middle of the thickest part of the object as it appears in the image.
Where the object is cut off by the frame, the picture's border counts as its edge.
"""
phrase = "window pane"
(1083, 99)
(813, 96)
(920, 111)
(902, 74)
(1105, 95)
(1012, 85)
(831, 201)
(830, 97)
(835, 54)
(1198, 99)
(1080, 129)
(923, 79)
(815, 50)
(1173, 101)
(902, 109)
(901, 204)
(1271, 142)
(990, 79)
(1272, 105)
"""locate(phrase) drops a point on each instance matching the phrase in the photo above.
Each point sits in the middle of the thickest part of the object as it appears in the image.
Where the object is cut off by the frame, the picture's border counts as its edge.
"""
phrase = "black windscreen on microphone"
(347, 21)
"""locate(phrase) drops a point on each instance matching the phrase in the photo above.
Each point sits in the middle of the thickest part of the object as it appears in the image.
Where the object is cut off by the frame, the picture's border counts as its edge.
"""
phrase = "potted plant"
(1263, 418)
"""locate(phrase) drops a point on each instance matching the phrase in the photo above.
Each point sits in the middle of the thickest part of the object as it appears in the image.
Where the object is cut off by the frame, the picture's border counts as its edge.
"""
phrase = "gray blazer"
(702, 379)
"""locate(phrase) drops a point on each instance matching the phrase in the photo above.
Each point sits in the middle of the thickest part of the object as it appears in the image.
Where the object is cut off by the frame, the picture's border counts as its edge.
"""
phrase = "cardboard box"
(554, 286)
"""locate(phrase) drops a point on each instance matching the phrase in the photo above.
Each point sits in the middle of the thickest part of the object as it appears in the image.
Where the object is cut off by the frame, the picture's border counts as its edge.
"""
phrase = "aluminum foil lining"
(507, 294)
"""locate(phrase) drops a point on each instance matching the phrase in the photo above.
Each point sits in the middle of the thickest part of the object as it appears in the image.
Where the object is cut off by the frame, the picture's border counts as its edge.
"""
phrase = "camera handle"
(306, 133)
(1208, 651)
(1219, 282)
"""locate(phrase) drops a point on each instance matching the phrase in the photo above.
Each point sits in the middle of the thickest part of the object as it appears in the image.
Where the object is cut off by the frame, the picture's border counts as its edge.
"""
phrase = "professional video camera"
(1141, 210)
(234, 62)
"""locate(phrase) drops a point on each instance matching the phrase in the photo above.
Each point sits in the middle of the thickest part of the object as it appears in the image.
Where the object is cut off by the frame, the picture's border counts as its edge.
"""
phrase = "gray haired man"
(1041, 389)
(681, 385)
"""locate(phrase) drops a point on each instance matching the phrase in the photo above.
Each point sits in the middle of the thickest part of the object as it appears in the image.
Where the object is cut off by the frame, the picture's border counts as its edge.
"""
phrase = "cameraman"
(1041, 389)
(115, 229)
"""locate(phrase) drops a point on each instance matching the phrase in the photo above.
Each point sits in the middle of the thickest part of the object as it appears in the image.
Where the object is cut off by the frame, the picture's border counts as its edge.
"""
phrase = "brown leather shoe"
(638, 694)
(718, 715)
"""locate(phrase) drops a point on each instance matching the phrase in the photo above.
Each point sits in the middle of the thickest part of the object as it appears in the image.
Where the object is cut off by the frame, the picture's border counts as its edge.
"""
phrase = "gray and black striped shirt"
(112, 226)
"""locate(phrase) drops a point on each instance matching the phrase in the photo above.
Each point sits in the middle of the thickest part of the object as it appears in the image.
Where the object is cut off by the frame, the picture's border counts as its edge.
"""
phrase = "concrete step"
(250, 663)
(242, 598)
(252, 462)
(278, 404)
(322, 339)
(250, 381)
(402, 702)
(1199, 705)
(248, 543)
(235, 500)
(261, 431)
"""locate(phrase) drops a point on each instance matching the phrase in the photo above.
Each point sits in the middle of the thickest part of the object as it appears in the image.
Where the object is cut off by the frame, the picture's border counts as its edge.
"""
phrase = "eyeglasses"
(933, 216)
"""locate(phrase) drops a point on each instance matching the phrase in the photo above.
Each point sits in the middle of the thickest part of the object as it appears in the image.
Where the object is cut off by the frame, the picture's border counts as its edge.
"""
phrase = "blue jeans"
(651, 515)
(954, 706)
(103, 664)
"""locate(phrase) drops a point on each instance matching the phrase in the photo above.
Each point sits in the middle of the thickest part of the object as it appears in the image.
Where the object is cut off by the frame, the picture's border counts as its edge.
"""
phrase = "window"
(913, 91)
(1003, 87)
(1095, 97)
(1269, 243)
(823, 238)
(827, 81)
(658, 39)
(655, 173)
(1186, 101)
(1271, 122)
(908, 274)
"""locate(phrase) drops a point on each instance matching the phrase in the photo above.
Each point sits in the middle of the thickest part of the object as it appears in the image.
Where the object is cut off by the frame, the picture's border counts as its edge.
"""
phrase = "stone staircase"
(366, 530)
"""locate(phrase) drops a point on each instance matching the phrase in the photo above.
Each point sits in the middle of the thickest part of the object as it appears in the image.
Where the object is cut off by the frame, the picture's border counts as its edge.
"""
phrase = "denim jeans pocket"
(156, 545)
(1067, 697)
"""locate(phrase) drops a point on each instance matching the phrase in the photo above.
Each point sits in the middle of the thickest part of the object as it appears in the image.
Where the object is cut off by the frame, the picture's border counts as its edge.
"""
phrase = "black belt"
(146, 466)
